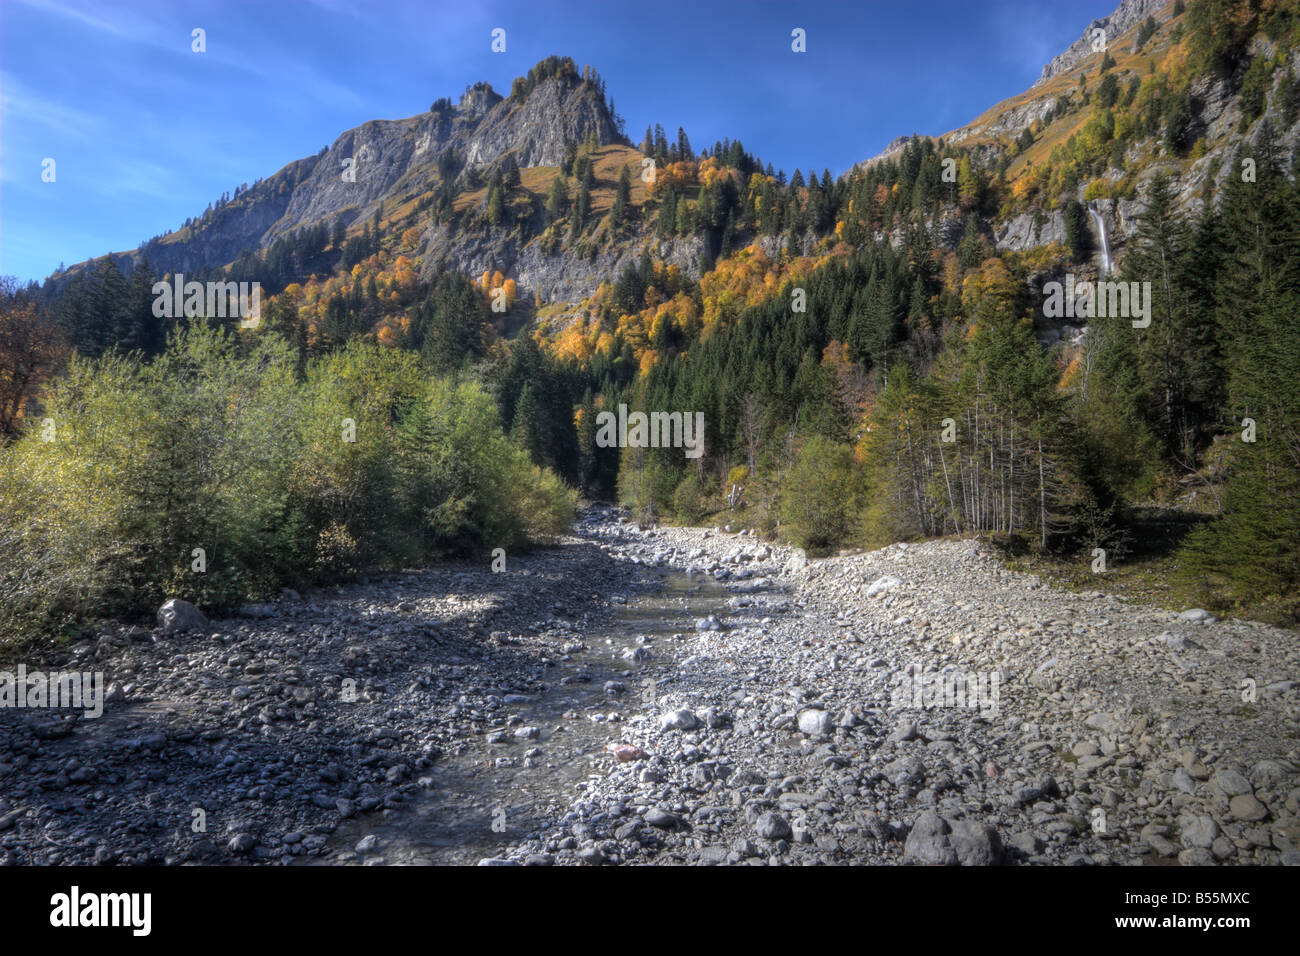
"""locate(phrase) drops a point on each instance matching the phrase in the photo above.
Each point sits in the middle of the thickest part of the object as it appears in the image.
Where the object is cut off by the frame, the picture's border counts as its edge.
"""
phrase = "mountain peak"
(479, 98)
(1128, 14)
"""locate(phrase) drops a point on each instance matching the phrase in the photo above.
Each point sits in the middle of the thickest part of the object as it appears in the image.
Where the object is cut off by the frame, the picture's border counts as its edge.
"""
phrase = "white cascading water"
(1105, 244)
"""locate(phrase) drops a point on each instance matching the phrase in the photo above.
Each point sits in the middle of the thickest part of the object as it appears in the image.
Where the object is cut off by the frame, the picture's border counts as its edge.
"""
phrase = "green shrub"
(687, 500)
(819, 497)
(211, 474)
(646, 482)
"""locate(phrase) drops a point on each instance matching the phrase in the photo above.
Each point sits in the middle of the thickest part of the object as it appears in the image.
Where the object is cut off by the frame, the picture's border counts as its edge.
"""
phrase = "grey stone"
(928, 842)
(905, 771)
(974, 843)
(242, 842)
(178, 615)
(1026, 842)
(881, 585)
(661, 819)
(1197, 830)
(680, 719)
(1230, 783)
(1246, 807)
(903, 732)
(367, 843)
(816, 723)
(772, 826)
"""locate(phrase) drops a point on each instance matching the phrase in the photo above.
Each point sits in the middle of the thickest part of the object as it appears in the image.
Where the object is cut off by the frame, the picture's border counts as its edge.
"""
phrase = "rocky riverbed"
(673, 696)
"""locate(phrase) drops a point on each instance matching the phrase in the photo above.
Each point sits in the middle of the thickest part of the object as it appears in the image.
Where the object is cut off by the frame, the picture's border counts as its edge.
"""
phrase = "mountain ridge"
(380, 160)
(440, 157)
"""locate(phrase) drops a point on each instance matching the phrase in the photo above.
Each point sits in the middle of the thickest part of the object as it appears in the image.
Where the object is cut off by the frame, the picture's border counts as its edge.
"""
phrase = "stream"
(480, 802)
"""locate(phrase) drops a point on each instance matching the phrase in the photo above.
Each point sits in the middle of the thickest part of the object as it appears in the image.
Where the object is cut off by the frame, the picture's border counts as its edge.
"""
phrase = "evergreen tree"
(1077, 237)
(495, 205)
(581, 209)
(510, 173)
(452, 325)
(557, 200)
(622, 196)
(1167, 349)
(526, 430)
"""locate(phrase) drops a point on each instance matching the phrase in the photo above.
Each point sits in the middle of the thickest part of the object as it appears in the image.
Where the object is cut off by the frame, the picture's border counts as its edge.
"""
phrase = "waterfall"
(1105, 245)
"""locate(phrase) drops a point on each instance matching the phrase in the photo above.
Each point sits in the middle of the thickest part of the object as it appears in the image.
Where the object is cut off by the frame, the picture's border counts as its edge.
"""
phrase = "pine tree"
(971, 249)
(1250, 556)
(1166, 348)
(142, 330)
(510, 173)
(557, 200)
(683, 145)
(526, 430)
(495, 205)
(581, 209)
(622, 196)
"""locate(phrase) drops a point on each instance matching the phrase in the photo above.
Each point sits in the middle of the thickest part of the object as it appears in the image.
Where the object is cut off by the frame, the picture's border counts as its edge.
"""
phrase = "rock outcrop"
(1127, 15)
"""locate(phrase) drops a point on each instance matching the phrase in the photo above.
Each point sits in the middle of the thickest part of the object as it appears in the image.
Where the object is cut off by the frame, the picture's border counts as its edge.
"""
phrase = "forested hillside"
(873, 354)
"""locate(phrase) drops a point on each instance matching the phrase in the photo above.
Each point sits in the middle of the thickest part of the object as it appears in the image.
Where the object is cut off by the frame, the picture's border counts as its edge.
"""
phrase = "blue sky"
(144, 132)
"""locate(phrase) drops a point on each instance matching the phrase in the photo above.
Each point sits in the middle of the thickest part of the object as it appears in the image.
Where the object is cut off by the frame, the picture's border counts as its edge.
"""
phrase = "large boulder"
(177, 615)
(935, 841)
(928, 842)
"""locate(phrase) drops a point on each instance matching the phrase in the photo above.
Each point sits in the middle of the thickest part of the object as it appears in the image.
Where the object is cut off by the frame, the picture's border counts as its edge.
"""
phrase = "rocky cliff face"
(386, 159)
(1128, 14)
(387, 154)
(562, 276)
(556, 113)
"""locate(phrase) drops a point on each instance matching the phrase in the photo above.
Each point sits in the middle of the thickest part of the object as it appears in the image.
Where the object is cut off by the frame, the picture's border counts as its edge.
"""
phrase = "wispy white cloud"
(118, 22)
(142, 177)
(21, 104)
(125, 26)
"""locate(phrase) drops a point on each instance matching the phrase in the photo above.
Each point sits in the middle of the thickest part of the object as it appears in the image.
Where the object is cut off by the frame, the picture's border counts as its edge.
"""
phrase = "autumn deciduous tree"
(31, 349)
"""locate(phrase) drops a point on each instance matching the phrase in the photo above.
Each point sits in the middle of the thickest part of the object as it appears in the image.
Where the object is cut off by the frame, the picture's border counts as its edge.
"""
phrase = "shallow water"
(476, 809)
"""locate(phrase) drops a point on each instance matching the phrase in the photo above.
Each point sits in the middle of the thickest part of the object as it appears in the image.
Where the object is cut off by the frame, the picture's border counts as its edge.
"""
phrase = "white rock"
(816, 723)
(882, 584)
(680, 719)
